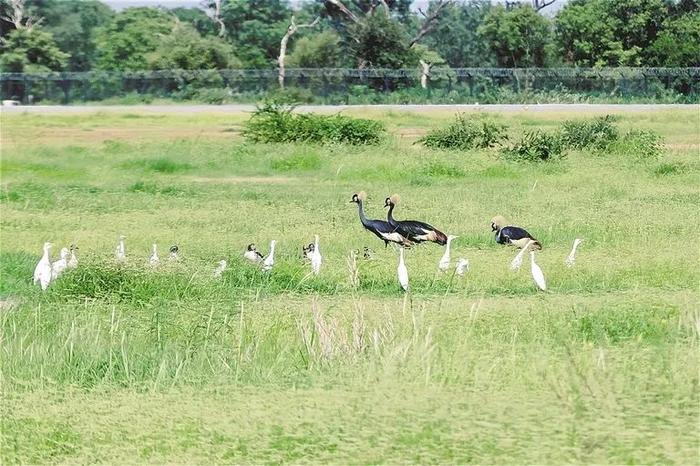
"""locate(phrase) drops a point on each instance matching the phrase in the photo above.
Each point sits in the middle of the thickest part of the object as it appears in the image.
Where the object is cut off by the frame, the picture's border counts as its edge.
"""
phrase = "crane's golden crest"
(395, 199)
(362, 195)
(499, 221)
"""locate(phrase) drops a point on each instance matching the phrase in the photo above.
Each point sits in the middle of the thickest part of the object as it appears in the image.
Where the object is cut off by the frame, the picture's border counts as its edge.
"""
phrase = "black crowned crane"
(414, 230)
(510, 234)
(383, 230)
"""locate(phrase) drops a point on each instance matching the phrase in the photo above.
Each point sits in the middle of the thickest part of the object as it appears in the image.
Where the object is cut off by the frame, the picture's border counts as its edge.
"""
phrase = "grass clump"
(277, 123)
(597, 133)
(297, 162)
(639, 144)
(465, 133)
(670, 168)
(536, 146)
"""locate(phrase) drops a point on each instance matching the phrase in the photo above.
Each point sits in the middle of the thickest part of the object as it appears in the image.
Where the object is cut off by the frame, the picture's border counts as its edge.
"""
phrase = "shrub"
(597, 133)
(536, 146)
(639, 144)
(464, 134)
(275, 122)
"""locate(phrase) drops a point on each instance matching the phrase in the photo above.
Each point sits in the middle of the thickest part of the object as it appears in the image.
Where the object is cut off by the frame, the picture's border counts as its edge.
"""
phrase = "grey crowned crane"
(414, 230)
(307, 251)
(174, 252)
(252, 254)
(512, 235)
(383, 230)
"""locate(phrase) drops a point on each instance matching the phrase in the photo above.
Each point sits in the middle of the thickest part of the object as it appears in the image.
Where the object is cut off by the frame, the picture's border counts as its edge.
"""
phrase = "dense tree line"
(80, 35)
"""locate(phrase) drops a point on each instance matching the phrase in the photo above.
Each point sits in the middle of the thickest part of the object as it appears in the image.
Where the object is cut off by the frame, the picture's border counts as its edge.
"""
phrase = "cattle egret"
(252, 254)
(153, 260)
(73, 261)
(58, 267)
(220, 269)
(270, 259)
(120, 253)
(316, 258)
(462, 266)
(518, 260)
(571, 258)
(402, 271)
(42, 271)
(444, 263)
(537, 274)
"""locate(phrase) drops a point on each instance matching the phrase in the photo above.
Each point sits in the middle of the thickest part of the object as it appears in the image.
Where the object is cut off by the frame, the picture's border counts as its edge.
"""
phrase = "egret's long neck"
(272, 249)
(401, 256)
(315, 243)
(363, 219)
(46, 254)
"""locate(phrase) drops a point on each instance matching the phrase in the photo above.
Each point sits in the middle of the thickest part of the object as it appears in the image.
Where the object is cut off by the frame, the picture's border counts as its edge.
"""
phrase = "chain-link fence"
(348, 86)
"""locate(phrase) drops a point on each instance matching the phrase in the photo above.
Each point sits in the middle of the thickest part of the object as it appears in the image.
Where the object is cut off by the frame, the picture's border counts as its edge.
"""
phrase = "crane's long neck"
(390, 214)
(361, 210)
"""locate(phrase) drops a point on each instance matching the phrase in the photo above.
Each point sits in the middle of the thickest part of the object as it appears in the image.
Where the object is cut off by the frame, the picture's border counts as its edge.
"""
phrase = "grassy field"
(127, 364)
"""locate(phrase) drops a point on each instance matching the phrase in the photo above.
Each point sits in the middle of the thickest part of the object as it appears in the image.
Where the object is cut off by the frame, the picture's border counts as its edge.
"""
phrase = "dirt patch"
(245, 179)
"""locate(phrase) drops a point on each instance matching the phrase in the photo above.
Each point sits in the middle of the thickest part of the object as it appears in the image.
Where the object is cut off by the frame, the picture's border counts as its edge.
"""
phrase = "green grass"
(122, 363)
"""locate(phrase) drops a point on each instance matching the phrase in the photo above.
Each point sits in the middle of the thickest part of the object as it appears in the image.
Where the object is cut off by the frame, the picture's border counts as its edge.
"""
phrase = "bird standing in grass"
(73, 261)
(509, 234)
(307, 251)
(414, 230)
(120, 253)
(154, 260)
(571, 258)
(316, 258)
(444, 263)
(42, 271)
(252, 254)
(462, 266)
(174, 252)
(382, 229)
(270, 259)
(402, 271)
(58, 267)
(367, 253)
(537, 274)
(518, 259)
(220, 269)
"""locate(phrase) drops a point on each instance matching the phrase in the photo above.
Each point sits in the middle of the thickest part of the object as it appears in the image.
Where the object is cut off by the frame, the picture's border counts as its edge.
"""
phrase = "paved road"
(185, 109)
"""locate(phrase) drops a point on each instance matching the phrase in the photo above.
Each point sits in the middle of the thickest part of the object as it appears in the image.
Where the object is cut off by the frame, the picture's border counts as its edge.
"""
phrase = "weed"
(536, 146)
(465, 133)
(639, 145)
(597, 133)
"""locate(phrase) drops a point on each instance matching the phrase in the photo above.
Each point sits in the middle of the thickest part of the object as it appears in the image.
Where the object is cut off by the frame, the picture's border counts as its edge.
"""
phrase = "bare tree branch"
(18, 18)
(386, 7)
(430, 20)
(291, 30)
(215, 14)
(344, 9)
(539, 4)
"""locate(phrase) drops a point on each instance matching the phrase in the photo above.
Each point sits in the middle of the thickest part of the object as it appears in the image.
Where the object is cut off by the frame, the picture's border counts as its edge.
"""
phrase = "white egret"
(58, 267)
(537, 274)
(444, 263)
(518, 259)
(120, 252)
(270, 259)
(220, 269)
(42, 271)
(462, 266)
(73, 261)
(571, 258)
(402, 271)
(316, 258)
(153, 260)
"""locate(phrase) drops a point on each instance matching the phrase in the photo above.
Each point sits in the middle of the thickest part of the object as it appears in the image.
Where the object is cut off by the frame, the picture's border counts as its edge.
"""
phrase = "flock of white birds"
(46, 272)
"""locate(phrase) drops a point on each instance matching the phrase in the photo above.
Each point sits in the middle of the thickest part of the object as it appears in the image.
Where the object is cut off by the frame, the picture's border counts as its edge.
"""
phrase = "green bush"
(464, 134)
(275, 122)
(639, 144)
(597, 133)
(536, 146)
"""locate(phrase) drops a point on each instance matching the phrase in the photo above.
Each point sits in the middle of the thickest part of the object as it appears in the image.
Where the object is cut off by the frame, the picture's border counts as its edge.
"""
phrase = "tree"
(608, 32)
(254, 27)
(518, 36)
(291, 30)
(16, 13)
(197, 18)
(132, 34)
(31, 50)
(678, 43)
(322, 50)
(381, 42)
(455, 37)
(185, 49)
